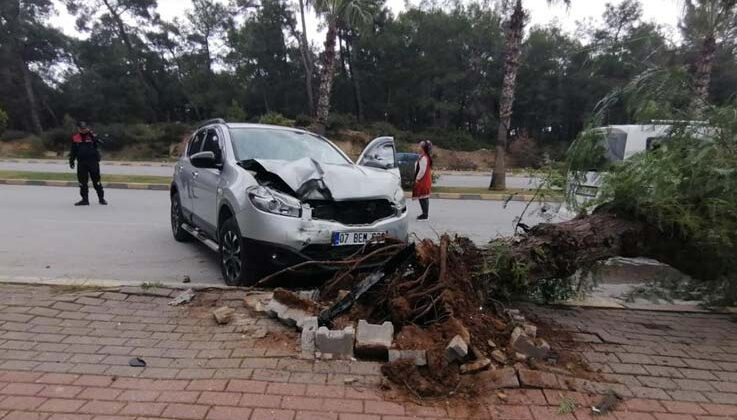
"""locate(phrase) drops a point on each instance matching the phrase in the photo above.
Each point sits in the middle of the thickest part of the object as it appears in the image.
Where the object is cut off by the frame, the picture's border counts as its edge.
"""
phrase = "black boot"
(82, 202)
(103, 201)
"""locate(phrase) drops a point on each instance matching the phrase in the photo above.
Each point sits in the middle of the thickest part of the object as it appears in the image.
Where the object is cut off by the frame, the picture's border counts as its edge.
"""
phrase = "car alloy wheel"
(176, 223)
(231, 255)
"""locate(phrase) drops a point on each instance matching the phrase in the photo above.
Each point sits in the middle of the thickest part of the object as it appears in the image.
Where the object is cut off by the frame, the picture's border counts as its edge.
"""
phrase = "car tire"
(234, 264)
(177, 218)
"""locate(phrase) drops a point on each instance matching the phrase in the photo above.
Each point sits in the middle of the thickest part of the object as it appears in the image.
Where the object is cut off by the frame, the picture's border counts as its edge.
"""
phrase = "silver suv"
(268, 197)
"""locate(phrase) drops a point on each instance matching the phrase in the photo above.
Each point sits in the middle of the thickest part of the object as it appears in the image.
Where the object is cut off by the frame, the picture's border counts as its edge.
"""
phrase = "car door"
(207, 183)
(186, 173)
(381, 153)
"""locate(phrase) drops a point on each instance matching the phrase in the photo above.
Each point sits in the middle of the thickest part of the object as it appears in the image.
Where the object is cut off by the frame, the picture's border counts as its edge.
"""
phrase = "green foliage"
(273, 118)
(3, 121)
(303, 120)
(11, 135)
(235, 112)
(567, 406)
(337, 121)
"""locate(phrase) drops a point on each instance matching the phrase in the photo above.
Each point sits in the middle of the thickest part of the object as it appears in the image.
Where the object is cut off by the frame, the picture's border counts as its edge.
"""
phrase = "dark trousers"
(425, 206)
(85, 171)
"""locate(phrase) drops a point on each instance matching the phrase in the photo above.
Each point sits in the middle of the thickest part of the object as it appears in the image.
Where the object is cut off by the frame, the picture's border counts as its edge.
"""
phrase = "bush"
(235, 112)
(3, 121)
(526, 152)
(57, 139)
(341, 121)
(457, 163)
(449, 139)
(274, 118)
(303, 120)
(10, 135)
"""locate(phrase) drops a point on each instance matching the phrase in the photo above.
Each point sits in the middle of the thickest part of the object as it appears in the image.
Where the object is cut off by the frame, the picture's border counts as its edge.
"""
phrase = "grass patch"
(76, 288)
(154, 285)
(61, 176)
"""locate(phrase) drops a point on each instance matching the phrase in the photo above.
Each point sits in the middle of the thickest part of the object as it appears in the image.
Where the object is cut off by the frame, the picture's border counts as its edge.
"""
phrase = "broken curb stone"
(223, 315)
(457, 349)
(184, 297)
(374, 339)
(275, 309)
(338, 343)
(537, 379)
(530, 330)
(309, 329)
(476, 366)
(418, 356)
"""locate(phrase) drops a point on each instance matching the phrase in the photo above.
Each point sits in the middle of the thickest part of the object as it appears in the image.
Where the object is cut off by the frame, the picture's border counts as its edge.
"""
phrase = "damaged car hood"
(310, 180)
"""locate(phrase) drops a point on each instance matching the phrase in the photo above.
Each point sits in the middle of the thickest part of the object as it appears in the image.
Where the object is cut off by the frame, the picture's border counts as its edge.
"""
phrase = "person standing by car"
(423, 179)
(84, 151)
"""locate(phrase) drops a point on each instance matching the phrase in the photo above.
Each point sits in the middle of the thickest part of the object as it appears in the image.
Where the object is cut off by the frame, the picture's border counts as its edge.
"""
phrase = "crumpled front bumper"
(284, 241)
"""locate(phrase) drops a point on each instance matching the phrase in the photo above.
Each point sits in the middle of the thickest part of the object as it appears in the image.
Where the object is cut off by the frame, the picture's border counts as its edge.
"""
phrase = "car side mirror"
(205, 160)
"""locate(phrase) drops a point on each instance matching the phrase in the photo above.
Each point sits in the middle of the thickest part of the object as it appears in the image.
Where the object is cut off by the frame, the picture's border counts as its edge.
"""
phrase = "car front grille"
(331, 253)
(352, 212)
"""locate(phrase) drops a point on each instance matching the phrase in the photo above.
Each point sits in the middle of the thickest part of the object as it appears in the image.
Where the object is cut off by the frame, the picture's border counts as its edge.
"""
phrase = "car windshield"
(289, 145)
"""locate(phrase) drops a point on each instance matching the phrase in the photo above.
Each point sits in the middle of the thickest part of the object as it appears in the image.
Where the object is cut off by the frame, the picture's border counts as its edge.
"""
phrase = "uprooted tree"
(676, 204)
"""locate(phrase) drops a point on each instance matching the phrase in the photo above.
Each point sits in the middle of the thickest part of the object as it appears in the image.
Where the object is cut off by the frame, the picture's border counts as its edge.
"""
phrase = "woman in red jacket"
(423, 179)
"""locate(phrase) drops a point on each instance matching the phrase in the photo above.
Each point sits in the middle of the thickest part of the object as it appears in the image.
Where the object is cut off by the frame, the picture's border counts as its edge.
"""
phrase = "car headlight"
(399, 200)
(270, 201)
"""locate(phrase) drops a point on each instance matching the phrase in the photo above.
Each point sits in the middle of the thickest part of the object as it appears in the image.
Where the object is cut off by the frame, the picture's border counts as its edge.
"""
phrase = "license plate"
(357, 238)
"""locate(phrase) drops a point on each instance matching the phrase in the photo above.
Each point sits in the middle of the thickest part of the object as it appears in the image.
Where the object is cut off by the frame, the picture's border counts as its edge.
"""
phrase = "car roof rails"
(211, 121)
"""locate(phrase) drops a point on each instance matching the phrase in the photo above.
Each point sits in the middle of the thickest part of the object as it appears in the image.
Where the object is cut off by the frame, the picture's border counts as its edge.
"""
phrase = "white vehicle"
(621, 142)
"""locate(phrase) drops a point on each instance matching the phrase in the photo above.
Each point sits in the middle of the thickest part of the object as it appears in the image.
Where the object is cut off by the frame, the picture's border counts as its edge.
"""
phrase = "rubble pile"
(421, 312)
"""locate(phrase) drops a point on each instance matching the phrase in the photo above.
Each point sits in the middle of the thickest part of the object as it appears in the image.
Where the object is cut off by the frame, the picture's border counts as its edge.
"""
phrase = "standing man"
(84, 151)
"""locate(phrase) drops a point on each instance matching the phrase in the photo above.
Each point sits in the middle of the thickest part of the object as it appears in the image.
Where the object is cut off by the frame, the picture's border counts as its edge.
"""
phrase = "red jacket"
(423, 177)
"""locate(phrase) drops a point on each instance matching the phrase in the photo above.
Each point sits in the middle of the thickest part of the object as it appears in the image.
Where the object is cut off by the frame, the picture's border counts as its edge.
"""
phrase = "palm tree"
(704, 24)
(514, 31)
(337, 13)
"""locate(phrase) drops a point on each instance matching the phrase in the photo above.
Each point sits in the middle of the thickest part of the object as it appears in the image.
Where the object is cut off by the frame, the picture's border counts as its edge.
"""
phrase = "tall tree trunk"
(511, 66)
(353, 74)
(30, 97)
(304, 48)
(702, 76)
(327, 73)
(132, 54)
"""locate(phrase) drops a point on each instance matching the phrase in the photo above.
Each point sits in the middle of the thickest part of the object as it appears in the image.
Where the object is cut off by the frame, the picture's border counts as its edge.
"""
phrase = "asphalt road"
(43, 235)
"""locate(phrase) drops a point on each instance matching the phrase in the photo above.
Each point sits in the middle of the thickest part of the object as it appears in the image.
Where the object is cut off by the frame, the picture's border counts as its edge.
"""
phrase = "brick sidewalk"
(64, 355)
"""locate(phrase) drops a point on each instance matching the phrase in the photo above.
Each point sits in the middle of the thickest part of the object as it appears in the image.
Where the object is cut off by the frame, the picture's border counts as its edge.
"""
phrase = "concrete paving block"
(339, 343)
(457, 349)
(309, 329)
(374, 339)
(419, 356)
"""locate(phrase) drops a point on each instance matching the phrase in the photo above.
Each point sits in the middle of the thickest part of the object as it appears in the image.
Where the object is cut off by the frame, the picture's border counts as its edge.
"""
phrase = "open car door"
(380, 153)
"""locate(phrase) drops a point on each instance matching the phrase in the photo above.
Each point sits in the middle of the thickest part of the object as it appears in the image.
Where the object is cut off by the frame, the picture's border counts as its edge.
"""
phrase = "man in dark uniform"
(84, 151)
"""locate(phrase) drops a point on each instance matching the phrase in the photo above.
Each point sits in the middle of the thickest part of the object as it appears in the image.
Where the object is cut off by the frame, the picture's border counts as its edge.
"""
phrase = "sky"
(663, 12)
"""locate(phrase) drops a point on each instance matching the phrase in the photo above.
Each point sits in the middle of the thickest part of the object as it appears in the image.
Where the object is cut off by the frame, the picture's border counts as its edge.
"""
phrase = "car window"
(212, 144)
(196, 144)
(289, 145)
(616, 142)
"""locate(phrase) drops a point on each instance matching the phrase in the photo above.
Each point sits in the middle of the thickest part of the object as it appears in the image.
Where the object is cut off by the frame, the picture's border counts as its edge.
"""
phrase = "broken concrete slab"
(530, 330)
(457, 349)
(525, 346)
(184, 297)
(419, 356)
(223, 314)
(500, 378)
(307, 340)
(374, 339)
(275, 309)
(339, 343)
(293, 317)
(537, 379)
(477, 366)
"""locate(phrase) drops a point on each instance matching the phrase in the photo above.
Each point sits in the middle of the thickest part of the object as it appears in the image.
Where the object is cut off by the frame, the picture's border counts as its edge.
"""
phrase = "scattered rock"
(418, 356)
(137, 362)
(521, 343)
(499, 356)
(491, 344)
(307, 340)
(373, 339)
(350, 381)
(275, 309)
(223, 315)
(186, 279)
(520, 357)
(460, 329)
(339, 343)
(184, 297)
(530, 330)
(476, 366)
(457, 349)
(260, 333)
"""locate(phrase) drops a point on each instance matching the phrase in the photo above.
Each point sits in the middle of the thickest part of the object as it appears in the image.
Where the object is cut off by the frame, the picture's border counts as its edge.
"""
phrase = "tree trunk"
(304, 49)
(511, 66)
(132, 54)
(353, 74)
(558, 250)
(326, 78)
(702, 76)
(30, 97)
